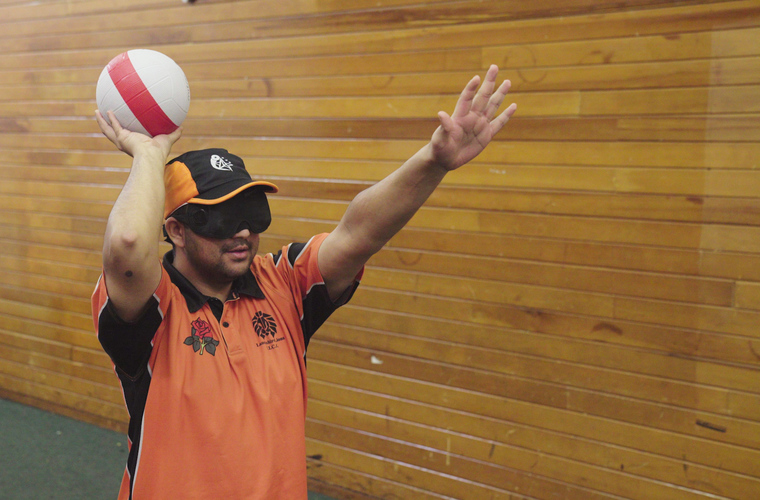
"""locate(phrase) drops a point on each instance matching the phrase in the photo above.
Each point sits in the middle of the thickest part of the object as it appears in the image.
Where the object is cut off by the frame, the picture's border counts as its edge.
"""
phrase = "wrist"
(431, 161)
(150, 154)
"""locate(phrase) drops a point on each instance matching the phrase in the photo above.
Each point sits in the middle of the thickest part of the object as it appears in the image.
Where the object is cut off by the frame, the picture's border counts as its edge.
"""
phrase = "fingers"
(105, 127)
(501, 120)
(483, 96)
(484, 100)
(464, 104)
(114, 122)
(497, 98)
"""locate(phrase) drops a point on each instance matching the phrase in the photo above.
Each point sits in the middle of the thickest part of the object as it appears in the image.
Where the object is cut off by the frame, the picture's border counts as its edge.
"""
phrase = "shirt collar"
(244, 285)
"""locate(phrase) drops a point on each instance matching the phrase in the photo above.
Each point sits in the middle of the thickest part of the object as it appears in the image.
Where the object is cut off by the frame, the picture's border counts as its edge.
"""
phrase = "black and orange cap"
(206, 177)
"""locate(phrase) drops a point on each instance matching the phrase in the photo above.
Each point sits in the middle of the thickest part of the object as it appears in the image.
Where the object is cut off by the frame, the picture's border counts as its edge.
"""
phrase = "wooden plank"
(326, 377)
(445, 483)
(52, 301)
(269, 81)
(92, 259)
(67, 190)
(392, 354)
(37, 360)
(713, 128)
(504, 293)
(22, 10)
(715, 237)
(533, 190)
(299, 42)
(55, 380)
(33, 326)
(326, 478)
(37, 345)
(717, 319)
(72, 273)
(507, 478)
(62, 402)
(747, 295)
(720, 264)
(452, 458)
(364, 470)
(304, 18)
(660, 338)
(663, 416)
(60, 317)
(639, 154)
(69, 225)
(93, 357)
(75, 213)
(683, 46)
(66, 176)
(561, 276)
(42, 283)
(729, 99)
(59, 396)
(463, 191)
(465, 436)
(458, 338)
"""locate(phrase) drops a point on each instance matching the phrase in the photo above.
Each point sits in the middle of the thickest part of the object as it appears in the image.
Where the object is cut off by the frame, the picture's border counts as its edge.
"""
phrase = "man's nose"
(243, 230)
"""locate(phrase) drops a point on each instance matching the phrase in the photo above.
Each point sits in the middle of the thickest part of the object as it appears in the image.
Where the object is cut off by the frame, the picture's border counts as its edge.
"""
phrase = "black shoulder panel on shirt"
(317, 307)
(294, 251)
(276, 257)
(129, 344)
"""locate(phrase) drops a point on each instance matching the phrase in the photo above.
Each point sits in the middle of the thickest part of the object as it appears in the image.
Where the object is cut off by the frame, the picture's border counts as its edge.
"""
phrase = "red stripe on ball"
(138, 97)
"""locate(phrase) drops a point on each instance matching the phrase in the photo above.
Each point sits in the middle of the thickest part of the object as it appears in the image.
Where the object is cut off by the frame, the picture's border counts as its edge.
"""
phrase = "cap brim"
(268, 187)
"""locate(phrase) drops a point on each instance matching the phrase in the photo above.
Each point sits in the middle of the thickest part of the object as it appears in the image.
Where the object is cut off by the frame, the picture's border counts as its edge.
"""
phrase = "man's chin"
(237, 265)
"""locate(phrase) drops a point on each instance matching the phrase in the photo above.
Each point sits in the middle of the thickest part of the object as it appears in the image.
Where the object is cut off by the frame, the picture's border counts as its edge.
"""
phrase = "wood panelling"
(573, 315)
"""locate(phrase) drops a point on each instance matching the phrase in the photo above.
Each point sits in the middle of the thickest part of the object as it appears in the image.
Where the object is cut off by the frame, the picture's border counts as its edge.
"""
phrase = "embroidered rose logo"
(202, 338)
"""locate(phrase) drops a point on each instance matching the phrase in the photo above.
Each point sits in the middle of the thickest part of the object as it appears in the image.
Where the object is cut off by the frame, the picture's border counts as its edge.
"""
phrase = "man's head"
(211, 192)
(214, 212)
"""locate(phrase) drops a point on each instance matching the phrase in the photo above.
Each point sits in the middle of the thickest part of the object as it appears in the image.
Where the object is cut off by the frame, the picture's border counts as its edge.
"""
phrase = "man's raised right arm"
(131, 266)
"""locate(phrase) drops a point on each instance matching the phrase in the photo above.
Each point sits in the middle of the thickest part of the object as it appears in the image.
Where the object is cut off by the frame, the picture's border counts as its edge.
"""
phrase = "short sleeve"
(298, 261)
(129, 345)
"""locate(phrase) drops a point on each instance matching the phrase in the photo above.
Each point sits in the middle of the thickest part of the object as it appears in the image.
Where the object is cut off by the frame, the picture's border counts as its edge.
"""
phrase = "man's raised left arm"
(379, 212)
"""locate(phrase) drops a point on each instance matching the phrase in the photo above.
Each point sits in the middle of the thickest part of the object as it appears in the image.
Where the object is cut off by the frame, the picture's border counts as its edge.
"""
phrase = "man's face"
(221, 260)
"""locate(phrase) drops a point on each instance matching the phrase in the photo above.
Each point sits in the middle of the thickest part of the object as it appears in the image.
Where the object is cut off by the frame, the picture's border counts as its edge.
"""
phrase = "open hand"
(133, 142)
(467, 132)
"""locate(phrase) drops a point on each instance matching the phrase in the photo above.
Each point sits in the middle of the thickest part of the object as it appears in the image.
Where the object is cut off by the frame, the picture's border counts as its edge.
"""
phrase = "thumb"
(446, 122)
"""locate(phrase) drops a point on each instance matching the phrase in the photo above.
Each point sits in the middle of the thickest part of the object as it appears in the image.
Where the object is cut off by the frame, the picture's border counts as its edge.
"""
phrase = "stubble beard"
(218, 266)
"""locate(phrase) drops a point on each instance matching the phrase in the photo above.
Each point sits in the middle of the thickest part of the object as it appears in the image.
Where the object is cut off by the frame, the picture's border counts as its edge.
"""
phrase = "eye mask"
(248, 210)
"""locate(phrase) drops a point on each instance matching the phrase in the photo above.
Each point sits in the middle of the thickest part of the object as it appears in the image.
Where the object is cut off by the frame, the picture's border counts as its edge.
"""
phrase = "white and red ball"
(147, 91)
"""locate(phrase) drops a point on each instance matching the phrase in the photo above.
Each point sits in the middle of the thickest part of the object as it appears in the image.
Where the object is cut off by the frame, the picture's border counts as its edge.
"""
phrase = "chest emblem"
(202, 338)
(264, 325)
(266, 328)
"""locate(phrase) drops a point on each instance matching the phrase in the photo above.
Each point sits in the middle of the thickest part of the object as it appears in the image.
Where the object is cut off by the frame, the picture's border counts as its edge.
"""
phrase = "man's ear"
(175, 231)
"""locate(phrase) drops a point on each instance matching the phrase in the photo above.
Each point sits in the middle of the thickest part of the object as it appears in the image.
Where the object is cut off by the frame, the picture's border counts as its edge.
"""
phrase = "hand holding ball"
(147, 91)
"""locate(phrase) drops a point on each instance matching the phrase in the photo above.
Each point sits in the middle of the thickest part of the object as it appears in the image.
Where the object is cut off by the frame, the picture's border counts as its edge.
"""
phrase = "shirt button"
(225, 324)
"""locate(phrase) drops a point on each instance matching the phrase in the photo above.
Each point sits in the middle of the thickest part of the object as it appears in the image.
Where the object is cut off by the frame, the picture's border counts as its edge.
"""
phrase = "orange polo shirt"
(216, 392)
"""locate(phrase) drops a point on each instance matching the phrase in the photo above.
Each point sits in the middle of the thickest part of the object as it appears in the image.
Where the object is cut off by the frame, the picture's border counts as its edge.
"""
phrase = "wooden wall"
(575, 315)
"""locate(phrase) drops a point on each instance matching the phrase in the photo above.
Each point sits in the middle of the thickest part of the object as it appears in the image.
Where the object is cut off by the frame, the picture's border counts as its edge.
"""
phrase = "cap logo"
(220, 163)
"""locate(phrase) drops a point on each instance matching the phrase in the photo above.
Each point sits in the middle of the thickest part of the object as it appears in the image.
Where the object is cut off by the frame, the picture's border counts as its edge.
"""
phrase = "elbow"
(123, 242)
(124, 250)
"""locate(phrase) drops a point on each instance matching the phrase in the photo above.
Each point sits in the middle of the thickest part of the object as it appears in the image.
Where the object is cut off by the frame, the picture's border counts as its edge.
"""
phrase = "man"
(210, 346)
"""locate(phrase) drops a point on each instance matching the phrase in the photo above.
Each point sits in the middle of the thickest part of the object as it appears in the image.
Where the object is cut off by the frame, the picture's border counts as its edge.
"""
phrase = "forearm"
(379, 212)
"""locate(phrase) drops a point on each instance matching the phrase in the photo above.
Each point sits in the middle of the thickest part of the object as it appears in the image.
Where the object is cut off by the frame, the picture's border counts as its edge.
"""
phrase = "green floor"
(47, 456)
